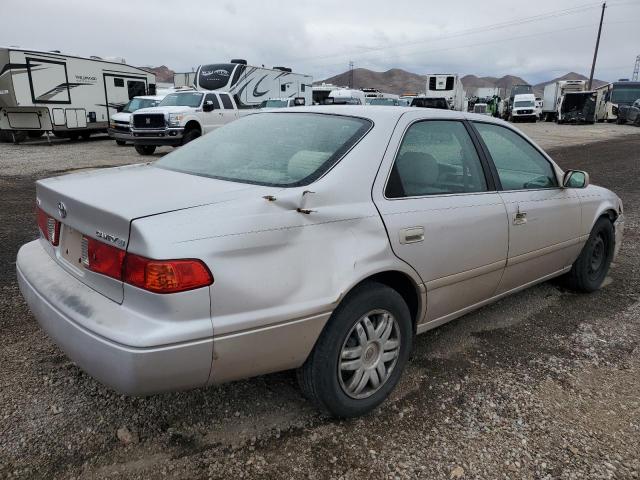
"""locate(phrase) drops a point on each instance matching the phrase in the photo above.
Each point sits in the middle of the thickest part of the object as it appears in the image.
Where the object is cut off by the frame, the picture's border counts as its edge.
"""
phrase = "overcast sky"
(537, 39)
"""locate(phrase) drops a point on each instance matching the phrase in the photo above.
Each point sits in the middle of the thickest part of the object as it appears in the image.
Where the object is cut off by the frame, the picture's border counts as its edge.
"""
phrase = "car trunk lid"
(101, 204)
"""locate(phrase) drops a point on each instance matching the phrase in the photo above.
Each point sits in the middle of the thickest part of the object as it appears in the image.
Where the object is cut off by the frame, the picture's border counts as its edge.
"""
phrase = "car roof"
(379, 112)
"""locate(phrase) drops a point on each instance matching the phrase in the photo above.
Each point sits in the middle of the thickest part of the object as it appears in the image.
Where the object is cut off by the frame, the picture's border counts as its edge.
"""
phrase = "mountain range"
(401, 81)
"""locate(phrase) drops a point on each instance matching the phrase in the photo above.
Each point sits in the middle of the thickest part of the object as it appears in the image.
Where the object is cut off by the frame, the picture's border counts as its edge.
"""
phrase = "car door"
(229, 113)
(544, 218)
(442, 213)
(215, 117)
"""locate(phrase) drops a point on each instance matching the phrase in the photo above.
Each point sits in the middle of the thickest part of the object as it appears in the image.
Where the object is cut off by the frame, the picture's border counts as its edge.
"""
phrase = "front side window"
(520, 166)
(182, 100)
(294, 148)
(436, 157)
(211, 97)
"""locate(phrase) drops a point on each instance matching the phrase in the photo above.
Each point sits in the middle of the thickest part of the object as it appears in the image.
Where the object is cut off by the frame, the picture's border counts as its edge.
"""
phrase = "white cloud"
(321, 37)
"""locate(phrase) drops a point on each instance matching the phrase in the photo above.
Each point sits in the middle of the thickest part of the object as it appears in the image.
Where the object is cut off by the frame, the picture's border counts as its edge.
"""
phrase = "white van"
(524, 108)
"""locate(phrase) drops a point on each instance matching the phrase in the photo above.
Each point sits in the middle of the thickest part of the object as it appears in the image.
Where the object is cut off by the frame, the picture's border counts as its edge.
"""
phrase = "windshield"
(295, 148)
(524, 103)
(274, 104)
(625, 94)
(138, 103)
(384, 101)
(191, 99)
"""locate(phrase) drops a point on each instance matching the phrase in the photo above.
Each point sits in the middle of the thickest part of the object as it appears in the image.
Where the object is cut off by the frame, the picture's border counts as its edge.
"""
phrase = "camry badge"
(62, 210)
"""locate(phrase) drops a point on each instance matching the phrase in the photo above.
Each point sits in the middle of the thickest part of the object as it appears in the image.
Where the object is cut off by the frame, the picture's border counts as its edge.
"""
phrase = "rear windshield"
(274, 104)
(280, 150)
(191, 99)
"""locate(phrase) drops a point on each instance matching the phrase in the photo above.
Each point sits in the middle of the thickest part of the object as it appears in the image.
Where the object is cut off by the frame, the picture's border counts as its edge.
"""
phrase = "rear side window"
(520, 166)
(226, 101)
(436, 157)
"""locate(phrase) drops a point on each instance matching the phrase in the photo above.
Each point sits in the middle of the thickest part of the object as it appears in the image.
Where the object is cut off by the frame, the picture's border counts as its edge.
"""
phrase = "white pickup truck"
(180, 118)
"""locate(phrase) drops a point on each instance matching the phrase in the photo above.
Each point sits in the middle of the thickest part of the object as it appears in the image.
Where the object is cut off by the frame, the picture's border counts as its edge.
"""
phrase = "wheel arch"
(413, 293)
(193, 125)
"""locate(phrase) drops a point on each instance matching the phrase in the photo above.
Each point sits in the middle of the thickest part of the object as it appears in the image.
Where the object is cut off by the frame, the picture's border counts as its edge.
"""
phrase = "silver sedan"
(321, 239)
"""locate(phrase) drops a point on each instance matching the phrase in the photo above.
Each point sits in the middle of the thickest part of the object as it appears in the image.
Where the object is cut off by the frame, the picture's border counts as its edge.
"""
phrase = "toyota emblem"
(62, 210)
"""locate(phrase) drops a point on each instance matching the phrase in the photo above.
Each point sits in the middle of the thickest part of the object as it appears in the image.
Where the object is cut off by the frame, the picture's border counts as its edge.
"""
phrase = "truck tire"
(190, 136)
(359, 356)
(145, 149)
(86, 135)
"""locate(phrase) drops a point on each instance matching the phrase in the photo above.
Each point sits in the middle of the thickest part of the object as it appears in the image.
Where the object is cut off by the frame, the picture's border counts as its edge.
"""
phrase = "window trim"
(484, 164)
(495, 169)
(228, 97)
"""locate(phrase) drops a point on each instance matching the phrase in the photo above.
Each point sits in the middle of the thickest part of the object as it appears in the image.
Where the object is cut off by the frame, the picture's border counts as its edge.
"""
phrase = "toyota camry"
(321, 239)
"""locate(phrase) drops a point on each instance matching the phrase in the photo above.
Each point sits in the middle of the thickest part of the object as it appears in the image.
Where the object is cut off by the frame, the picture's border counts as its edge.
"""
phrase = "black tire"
(74, 136)
(320, 379)
(145, 149)
(591, 268)
(190, 136)
(85, 135)
(121, 143)
(35, 133)
(620, 121)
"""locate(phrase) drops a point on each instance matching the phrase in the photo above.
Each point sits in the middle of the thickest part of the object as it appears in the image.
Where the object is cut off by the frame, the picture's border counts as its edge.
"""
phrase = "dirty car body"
(222, 261)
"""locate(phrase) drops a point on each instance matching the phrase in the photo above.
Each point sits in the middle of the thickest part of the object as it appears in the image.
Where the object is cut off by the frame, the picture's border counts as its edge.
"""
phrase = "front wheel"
(145, 149)
(590, 269)
(360, 355)
(190, 136)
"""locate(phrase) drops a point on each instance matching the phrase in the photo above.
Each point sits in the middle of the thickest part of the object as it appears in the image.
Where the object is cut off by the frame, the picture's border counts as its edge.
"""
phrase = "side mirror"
(120, 108)
(298, 101)
(208, 106)
(575, 179)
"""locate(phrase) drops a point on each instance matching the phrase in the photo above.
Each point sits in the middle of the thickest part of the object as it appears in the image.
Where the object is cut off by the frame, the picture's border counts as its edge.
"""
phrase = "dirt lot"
(544, 384)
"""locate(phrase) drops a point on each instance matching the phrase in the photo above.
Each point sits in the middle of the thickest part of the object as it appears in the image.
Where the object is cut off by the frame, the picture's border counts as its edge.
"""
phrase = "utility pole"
(636, 70)
(595, 53)
(350, 73)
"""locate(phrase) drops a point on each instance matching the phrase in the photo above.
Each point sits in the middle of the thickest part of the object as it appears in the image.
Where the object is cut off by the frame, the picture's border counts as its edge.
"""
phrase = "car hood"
(164, 110)
(109, 200)
(121, 117)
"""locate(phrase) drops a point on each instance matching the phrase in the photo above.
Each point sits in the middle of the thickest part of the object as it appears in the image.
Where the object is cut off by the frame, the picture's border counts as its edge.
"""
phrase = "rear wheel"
(360, 355)
(590, 269)
(145, 149)
(85, 135)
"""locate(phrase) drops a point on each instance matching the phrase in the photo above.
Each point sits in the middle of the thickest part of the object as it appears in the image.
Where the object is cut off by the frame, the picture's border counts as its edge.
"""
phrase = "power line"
(470, 31)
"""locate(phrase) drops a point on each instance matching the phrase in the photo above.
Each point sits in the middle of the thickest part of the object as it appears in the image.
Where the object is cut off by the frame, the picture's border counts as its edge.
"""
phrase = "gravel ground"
(543, 384)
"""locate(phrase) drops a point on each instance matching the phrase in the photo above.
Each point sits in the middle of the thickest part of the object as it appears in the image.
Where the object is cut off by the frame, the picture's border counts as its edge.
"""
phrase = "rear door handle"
(411, 235)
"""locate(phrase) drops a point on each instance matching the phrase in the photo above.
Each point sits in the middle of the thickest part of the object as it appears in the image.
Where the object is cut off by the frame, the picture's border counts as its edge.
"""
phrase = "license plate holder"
(71, 246)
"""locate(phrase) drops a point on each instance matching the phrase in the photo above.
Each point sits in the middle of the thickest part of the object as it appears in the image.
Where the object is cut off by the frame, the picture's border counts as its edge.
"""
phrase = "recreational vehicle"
(67, 95)
(448, 86)
(186, 79)
(611, 96)
(250, 85)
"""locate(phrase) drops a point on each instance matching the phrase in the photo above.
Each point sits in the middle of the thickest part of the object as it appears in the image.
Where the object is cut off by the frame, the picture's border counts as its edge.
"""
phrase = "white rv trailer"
(64, 94)
(186, 79)
(448, 86)
(250, 86)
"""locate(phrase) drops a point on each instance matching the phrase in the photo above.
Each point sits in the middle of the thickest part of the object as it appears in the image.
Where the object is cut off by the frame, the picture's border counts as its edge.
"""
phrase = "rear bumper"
(62, 306)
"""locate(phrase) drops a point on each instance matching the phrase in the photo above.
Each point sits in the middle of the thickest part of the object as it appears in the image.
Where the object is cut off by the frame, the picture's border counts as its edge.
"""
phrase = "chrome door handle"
(520, 218)
(411, 235)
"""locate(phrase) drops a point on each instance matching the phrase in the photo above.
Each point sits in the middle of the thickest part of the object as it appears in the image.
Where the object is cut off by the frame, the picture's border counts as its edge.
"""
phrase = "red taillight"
(49, 227)
(158, 276)
(102, 258)
(166, 276)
